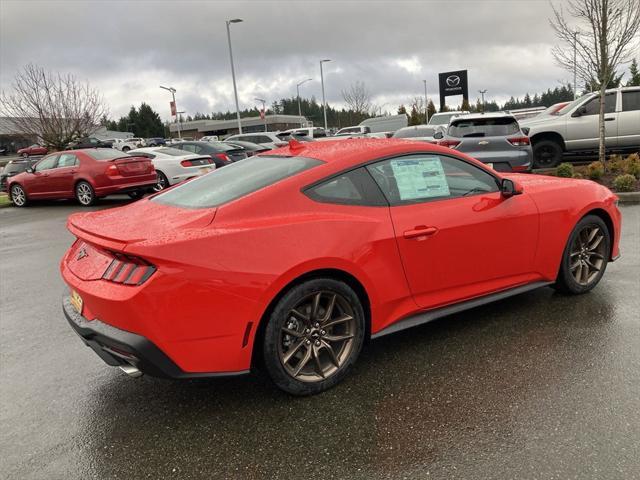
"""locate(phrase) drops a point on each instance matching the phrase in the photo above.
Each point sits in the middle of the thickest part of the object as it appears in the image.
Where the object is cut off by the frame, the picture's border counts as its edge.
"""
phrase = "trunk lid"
(138, 222)
(133, 166)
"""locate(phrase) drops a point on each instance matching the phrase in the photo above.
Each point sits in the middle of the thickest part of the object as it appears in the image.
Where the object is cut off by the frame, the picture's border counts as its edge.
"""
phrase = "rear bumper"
(120, 348)
(509, 161)
(126, 187)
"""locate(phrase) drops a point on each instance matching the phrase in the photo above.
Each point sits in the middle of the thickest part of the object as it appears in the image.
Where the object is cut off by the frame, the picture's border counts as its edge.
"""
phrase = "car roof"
(476, 116)
(353, 151)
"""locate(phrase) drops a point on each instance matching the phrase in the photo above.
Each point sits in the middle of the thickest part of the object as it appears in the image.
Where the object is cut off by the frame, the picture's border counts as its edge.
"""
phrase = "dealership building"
(199, 128)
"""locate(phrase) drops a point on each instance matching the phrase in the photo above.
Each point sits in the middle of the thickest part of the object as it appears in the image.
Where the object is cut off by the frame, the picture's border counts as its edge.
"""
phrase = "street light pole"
(264, 110)
(426, 103)
(298, 93)
(324, 102)
(482, 92)
(233, 71)
(178, 120)
(575, 53)
(173, 96)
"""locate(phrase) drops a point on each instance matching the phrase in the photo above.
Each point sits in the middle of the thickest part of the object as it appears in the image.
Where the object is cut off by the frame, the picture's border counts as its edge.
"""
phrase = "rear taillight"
(448, 143)
(186, 163)
(223, 156)
(519, 141)
(112, 171)
(520, 168)
(128, 270)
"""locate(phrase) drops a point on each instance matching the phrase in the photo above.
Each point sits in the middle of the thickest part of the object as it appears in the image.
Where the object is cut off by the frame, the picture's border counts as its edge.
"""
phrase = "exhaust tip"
(130, 370)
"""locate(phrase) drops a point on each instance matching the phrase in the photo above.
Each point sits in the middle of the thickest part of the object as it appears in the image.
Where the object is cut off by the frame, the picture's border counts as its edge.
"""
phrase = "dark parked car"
(88, 142)
(156, 142)
(34, 149)
(250, 148)
(222, 154)
(15, 167)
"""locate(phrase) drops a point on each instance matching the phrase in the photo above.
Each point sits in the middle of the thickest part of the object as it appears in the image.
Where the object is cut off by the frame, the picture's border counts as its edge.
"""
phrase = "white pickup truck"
(574, 128)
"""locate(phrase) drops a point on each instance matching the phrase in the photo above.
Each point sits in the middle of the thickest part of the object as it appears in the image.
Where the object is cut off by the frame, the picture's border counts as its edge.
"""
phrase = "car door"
(629, 119)
(38, 184)
(61, 179)
(458, 236)
(582, 125)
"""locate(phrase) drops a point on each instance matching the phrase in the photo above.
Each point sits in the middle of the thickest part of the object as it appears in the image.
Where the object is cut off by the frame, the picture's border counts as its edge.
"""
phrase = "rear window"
(105, 154)
(234, 181)
(484, 127)
(174, 152)
(414, 132)
(16, 167)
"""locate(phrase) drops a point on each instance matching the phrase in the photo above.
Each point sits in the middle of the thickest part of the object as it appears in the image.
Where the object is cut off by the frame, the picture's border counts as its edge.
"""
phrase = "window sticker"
(420, 178)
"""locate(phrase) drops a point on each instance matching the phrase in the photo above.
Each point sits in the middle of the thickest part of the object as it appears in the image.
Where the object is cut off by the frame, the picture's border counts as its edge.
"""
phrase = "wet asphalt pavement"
(538, 386)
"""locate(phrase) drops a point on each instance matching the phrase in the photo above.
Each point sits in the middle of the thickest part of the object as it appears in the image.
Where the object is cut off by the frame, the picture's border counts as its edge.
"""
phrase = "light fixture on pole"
(173, 107)
(233, 71)
(324, 102)
(264, 111)
(482, 92)
(426, 103)
(298, 93)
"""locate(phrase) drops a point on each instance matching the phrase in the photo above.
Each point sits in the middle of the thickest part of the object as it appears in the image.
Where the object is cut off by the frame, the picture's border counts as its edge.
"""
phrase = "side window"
(47, 163)
(423, 178)
(631, 101)
(67, 160)
(351, 188)
(593, 106)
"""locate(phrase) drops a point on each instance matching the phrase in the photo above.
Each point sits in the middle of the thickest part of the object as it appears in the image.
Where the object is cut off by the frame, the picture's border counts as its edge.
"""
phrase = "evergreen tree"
(401, 110)
(431, 108)
(634, 81)
(465, 107)
(415, 118)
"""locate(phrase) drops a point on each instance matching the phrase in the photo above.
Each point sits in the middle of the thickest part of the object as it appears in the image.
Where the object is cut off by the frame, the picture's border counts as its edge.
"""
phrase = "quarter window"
(631, 101)
(424, 178)
(351, 188)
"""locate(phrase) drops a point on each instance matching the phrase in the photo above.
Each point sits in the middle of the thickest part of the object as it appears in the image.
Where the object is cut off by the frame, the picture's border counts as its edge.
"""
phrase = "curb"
(628, 197)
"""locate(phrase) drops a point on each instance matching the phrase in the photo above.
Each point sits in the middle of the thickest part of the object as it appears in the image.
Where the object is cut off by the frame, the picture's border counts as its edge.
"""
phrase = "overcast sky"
(128, 48)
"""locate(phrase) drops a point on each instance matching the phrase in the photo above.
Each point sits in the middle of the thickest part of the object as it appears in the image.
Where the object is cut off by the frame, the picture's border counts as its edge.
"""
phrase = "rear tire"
(126, 149)
(18, 196)
(137, 195)
(546, 154)
(85, 194)
(163, 182)
(313, 336)
(585, 256)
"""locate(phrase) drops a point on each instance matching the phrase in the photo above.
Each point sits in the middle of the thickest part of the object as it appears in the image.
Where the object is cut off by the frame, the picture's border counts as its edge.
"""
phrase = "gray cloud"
(127, 49)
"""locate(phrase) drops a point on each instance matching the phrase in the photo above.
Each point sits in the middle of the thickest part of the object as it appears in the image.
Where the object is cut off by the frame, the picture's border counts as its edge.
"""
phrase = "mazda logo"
(82, 253)
(453, 80)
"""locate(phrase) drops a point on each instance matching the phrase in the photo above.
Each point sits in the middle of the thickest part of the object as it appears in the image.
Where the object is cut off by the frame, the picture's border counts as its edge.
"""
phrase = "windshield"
(16, 167)
(105, 154)
(484, 127)
(414, 132)
(234, 181)
(441, 119)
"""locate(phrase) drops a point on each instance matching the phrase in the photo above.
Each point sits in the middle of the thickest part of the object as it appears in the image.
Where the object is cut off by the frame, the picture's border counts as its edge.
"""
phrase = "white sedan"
(173, 165)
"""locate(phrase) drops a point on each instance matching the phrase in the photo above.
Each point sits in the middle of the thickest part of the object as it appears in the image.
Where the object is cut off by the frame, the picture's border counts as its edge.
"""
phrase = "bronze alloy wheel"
(587, 257)
(317, 336)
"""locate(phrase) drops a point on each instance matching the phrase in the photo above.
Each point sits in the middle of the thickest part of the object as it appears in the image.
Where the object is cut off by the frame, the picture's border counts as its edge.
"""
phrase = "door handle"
(609, 119)
(420, 231)
(73, 171)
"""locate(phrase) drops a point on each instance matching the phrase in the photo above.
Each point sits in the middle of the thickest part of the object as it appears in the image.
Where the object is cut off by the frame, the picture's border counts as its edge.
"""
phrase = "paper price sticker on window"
(420, 178)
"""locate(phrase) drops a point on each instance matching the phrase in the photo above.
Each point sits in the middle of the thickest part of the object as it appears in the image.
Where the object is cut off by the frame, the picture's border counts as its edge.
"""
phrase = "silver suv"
(269, 139)
(575, 127)
(493, 138)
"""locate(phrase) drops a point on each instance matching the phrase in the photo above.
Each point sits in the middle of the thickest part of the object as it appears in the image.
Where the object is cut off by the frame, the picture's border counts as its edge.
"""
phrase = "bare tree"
(54, 108)
(601, 40)
(358, 98)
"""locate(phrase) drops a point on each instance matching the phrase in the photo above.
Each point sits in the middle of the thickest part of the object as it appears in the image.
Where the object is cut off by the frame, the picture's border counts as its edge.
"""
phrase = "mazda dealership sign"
(453, 83)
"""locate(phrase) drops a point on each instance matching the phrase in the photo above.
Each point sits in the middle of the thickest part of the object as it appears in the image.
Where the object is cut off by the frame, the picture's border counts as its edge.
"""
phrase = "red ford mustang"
(84, 174)
(295, 258)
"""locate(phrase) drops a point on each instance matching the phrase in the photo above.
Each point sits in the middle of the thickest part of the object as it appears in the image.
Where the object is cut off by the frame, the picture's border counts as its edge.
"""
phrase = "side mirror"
(526, 130)
(438, 135)
(509, 188)
(580, 111)
(31, 170)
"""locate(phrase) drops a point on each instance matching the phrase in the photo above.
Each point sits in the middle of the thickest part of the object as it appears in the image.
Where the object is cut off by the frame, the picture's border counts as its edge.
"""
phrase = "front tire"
(24, 155)
(18, 196)
(313, 336)
(585, 257)
(126, 149)
(547, 154)
(85, 194)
